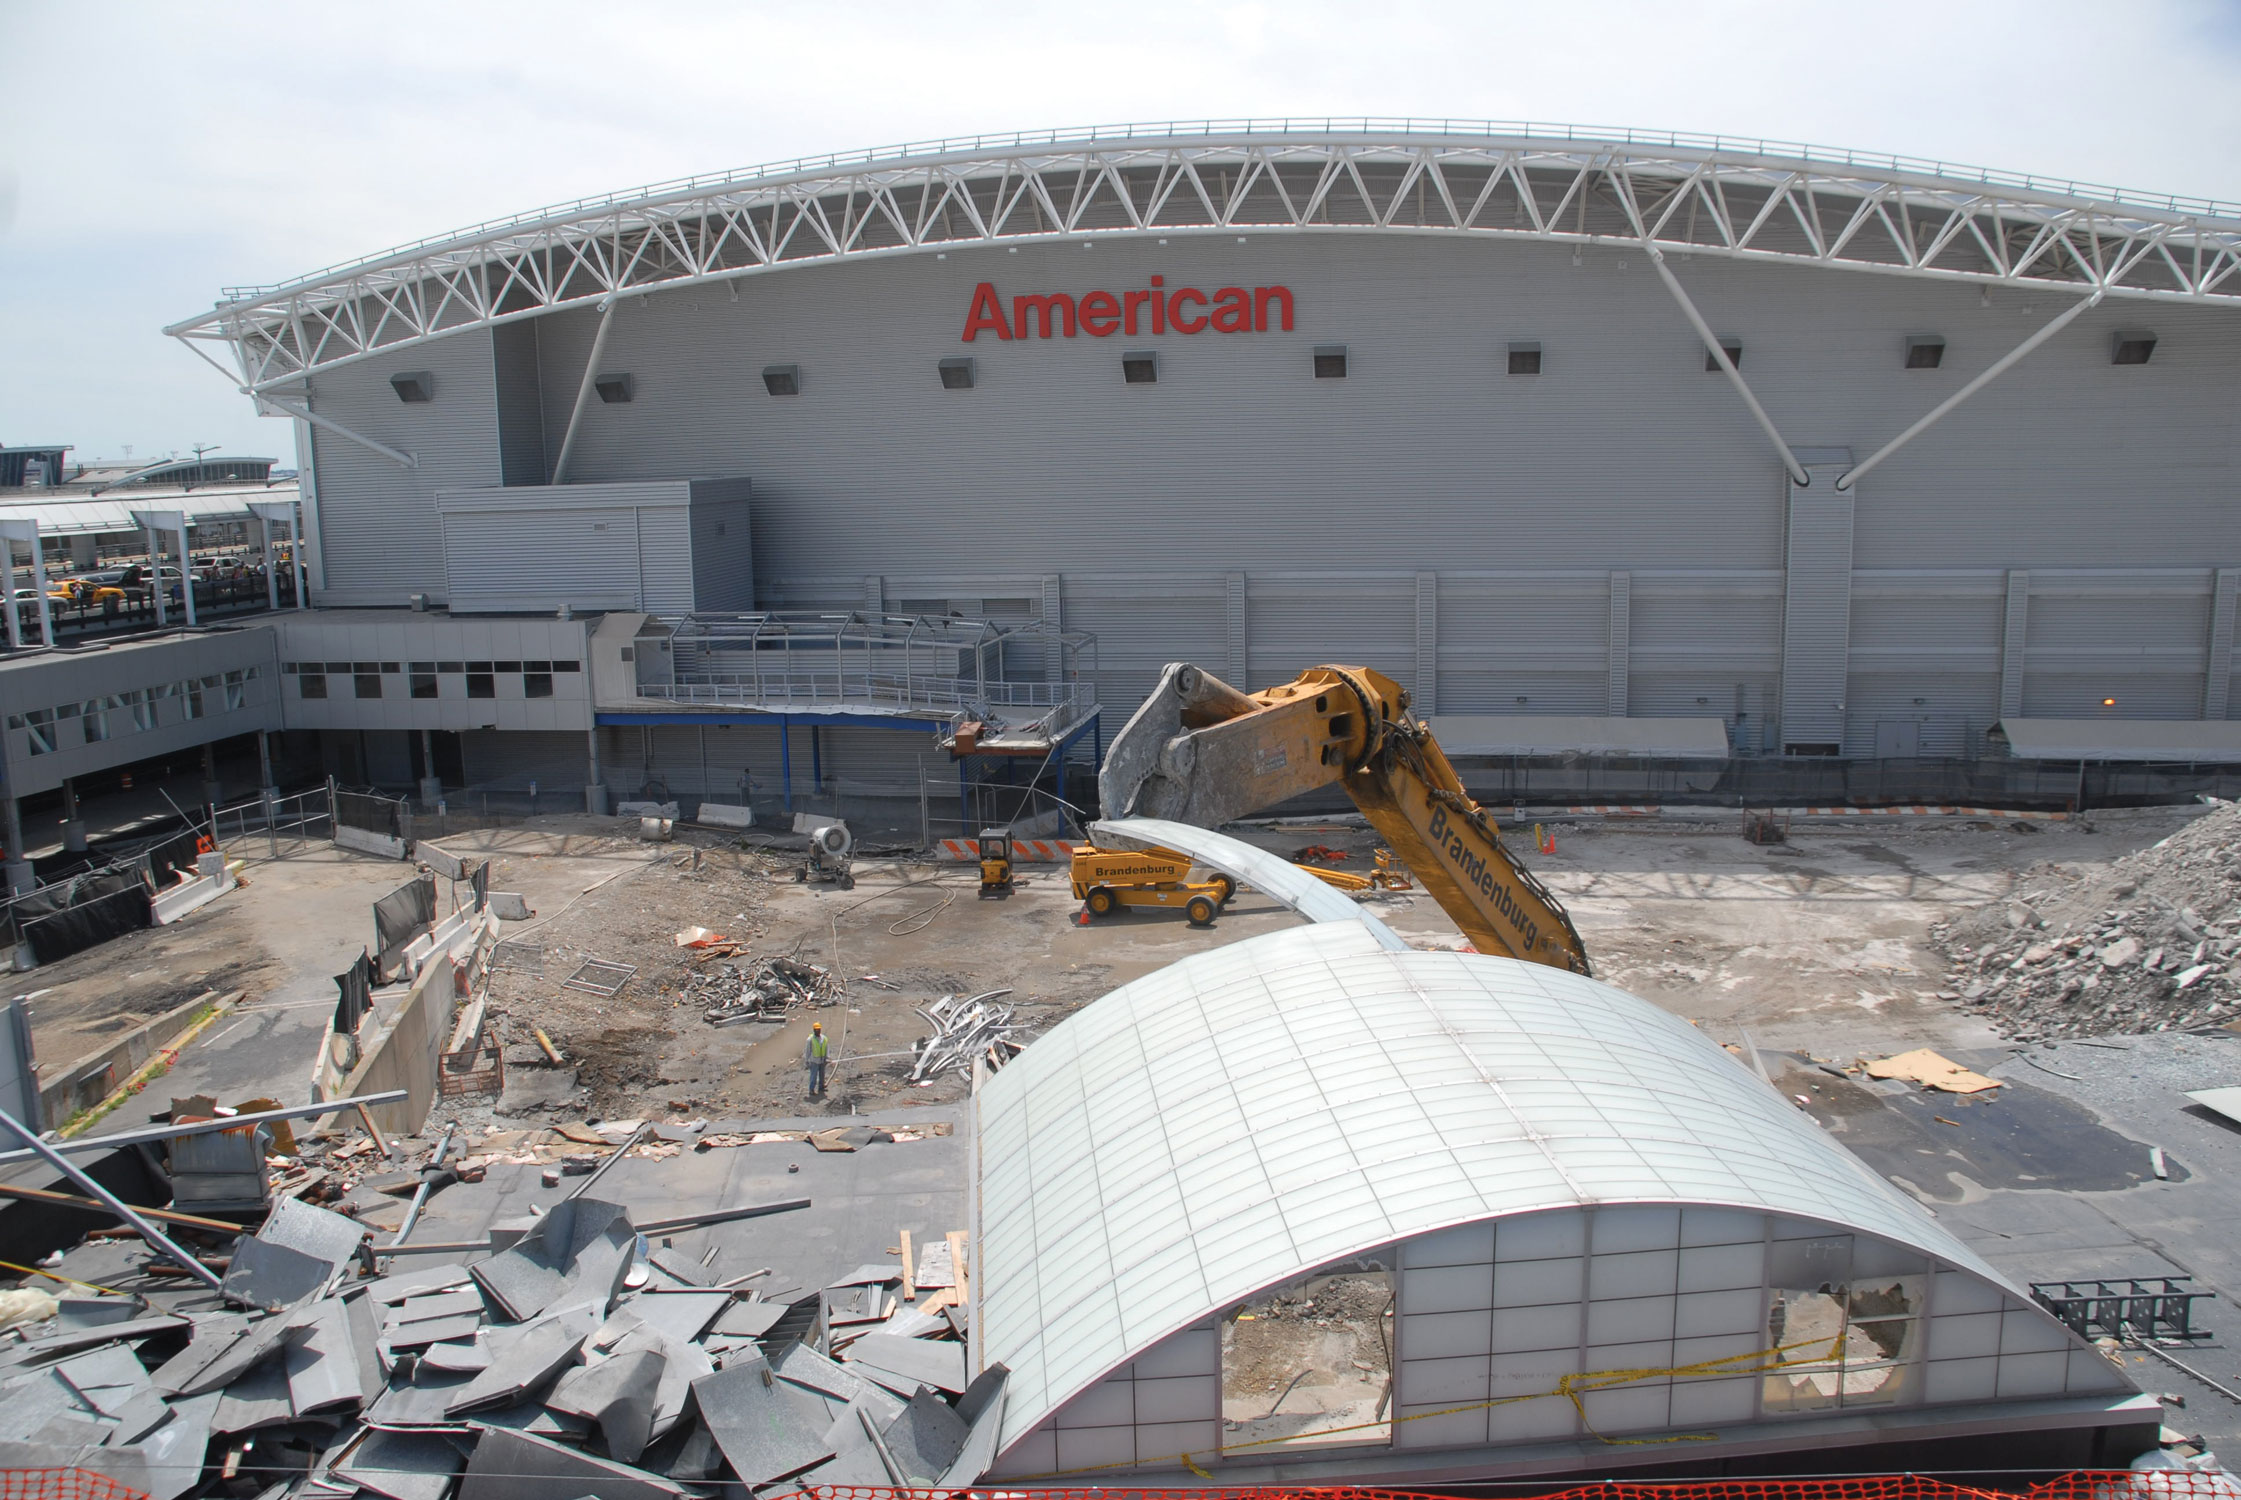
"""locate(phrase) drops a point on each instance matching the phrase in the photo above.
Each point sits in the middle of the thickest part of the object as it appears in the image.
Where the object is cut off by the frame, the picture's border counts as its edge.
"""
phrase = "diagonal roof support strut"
(1798, 476)
(1997, 368)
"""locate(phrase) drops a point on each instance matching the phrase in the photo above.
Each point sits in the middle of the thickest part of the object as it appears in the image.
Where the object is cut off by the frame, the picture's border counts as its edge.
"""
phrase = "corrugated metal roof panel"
(1569, 734)
(2217, 740)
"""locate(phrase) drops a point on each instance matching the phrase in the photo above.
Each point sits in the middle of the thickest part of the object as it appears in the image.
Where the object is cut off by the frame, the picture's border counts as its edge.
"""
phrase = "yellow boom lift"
(1200, 751)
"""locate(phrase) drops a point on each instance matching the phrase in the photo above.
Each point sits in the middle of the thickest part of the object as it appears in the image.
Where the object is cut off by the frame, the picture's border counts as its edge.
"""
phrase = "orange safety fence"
(63, 1484)
(2122, 1484)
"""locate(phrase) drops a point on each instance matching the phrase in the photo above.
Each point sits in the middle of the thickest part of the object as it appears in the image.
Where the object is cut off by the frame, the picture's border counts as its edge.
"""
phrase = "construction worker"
(814, 1055)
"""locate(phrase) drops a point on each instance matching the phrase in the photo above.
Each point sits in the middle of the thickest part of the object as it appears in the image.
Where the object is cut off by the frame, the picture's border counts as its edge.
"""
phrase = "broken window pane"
(1310, 1365)
(1843, 1345)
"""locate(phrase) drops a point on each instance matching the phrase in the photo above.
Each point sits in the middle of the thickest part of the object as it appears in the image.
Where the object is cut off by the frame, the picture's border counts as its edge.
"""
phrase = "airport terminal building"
(727, 483)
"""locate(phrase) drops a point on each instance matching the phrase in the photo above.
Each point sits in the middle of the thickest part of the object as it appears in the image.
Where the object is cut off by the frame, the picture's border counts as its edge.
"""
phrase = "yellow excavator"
(1200, 751)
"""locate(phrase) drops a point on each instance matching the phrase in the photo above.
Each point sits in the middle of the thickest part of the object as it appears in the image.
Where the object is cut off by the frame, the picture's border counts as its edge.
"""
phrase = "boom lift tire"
(1200, 910)
(1102, 902)
(1228, 888)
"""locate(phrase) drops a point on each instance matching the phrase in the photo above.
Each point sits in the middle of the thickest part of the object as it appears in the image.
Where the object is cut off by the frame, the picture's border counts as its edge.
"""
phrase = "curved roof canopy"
(1706, 195)
(1253, 1112)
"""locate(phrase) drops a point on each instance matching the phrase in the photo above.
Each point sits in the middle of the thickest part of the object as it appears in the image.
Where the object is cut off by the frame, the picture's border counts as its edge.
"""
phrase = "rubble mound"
(2149, 943)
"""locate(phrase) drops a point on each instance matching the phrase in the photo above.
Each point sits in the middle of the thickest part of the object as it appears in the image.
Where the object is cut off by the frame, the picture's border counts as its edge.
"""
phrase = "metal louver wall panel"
(658, 546)
(2217, 683)
(2015, 634)
(1816, 610)
(379, 534)
(1621, 636)
(521, 416)
(1294, 621)
(1425, 690)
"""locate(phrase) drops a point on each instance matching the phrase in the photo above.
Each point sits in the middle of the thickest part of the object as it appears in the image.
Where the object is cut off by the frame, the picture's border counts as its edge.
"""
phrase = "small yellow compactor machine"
(1200, 751)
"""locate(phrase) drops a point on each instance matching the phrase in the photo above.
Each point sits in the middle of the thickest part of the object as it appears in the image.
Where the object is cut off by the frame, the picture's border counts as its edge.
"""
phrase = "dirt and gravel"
(1827, 945)
(2147, 942)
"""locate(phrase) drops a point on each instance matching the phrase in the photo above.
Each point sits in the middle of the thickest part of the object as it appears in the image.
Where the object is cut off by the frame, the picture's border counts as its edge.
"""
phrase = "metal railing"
(280, 827)
(944, 695)
(222, 600)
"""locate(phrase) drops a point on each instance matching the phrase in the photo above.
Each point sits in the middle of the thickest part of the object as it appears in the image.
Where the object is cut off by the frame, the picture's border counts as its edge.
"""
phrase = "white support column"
(25, 530)
(272, 575)
(296, 563)
(155, 524)
(155, 575)
(186, 574)
(1713, 347)
(266, 513)
(15, 609)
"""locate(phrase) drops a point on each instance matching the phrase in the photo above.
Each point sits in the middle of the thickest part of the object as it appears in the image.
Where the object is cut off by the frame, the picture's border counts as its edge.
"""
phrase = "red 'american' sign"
(1156, 310)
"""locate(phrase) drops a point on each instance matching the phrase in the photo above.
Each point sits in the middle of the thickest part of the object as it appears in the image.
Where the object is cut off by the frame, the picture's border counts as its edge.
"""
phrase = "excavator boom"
(1200, 751)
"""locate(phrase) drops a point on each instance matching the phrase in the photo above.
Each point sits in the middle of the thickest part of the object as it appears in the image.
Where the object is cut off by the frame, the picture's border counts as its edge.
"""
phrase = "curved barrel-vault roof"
(1697, 194)
(1252, 1112)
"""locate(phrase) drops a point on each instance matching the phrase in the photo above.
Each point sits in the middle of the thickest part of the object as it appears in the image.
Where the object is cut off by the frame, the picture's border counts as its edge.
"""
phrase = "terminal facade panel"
(1484, 536)
(1442, 400)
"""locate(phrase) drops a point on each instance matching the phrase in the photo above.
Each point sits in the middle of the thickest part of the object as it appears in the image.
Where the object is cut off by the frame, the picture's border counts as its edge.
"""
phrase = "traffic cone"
(1081, 918)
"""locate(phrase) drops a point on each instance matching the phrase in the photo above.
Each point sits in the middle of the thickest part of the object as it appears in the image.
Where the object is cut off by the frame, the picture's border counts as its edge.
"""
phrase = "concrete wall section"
(73, 712)
(397, 643)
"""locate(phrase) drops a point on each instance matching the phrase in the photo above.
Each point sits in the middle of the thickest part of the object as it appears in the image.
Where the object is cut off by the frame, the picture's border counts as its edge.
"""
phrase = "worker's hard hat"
(817, 1026)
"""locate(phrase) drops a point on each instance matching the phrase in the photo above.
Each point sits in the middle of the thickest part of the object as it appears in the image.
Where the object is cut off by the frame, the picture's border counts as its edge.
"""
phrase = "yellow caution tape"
(67, 1280)
(1571, 1387)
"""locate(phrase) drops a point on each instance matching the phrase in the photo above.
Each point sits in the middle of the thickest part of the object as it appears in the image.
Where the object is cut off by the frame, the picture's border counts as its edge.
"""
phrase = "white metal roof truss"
(1706, 195)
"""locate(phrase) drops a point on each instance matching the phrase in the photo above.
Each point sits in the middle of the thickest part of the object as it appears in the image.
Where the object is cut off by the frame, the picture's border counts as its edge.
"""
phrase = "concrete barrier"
(370, 843)
(400, 1043)
(194, 892)
(90, 1080)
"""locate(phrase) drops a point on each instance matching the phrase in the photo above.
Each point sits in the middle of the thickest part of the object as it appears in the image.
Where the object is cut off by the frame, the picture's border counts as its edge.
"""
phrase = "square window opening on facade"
(1924, 351)
(1844, 1344)
(958, 373)
(1525, 359)
(424, 685)
(2131, 347)
(1310, 1364)
(311, 685)
(782, 380)
(1140, 367)
(1330, 361)
(536, 684)
(368, 684)
(615, 389)
(481, 685)
(414, 387)
(1734, 350)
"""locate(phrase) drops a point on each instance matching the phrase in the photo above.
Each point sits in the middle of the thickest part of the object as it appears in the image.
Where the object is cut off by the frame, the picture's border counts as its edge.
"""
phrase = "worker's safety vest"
(817, 1045)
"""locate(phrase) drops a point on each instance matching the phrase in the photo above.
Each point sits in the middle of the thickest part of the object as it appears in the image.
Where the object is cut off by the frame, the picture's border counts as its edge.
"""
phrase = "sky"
(152, 154)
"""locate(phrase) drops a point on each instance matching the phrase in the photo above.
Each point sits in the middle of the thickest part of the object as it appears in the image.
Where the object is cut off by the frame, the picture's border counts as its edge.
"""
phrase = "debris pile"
(578, 1354)
(963, 1030)
(766, 992)
(2149, 943)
